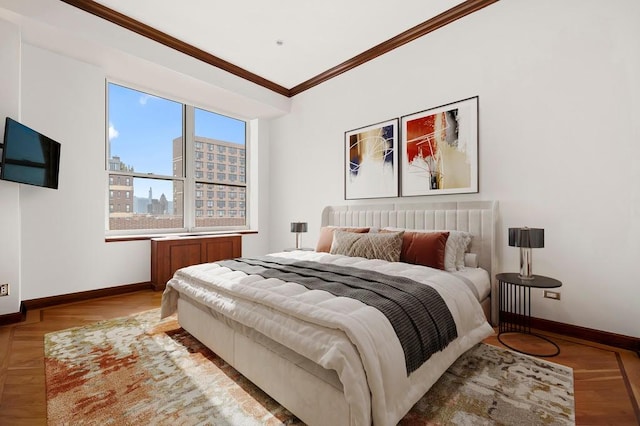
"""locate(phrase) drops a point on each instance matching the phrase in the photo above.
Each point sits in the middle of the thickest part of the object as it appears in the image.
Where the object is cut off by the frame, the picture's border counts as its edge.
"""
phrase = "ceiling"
(281, 44)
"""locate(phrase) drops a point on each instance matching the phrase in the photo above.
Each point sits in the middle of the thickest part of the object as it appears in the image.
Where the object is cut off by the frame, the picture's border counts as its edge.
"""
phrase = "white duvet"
(342, 334)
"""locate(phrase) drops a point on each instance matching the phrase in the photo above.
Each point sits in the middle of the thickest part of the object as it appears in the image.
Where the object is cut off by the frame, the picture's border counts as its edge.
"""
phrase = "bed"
(336, 360)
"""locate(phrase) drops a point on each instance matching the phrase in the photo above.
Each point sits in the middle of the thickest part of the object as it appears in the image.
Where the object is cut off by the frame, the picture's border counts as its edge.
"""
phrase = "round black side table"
(515, 307)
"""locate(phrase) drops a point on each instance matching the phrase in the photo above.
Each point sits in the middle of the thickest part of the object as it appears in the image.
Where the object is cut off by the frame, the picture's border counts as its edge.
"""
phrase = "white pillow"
(471, 260)
(463, 241)
(454, 250)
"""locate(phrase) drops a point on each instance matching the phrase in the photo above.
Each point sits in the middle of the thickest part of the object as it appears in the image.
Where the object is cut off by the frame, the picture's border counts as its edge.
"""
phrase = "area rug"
(139, 370)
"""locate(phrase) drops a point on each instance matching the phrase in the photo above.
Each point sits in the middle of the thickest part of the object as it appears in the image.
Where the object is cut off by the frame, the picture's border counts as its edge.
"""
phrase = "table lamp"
(298, 228)
(526, 239)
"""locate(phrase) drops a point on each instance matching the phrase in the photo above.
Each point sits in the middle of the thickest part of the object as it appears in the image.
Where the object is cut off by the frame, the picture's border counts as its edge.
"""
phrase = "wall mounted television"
(28, 156)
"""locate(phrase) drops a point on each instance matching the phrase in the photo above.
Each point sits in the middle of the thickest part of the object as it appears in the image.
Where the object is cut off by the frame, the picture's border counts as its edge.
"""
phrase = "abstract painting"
(371, 161)
(440, 150)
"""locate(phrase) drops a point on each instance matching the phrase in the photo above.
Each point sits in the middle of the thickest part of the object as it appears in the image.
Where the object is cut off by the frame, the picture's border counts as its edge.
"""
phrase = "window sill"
(117, 239)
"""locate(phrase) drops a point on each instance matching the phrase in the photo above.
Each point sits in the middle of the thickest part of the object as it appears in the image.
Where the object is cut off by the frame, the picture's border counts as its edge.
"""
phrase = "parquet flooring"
(607, 380)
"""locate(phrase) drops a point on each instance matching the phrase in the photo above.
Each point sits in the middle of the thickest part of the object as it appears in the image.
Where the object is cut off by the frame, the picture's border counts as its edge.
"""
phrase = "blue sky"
(142, 128)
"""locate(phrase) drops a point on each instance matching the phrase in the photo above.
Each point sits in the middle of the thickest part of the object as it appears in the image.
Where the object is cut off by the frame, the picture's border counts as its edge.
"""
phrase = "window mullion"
(189, 168)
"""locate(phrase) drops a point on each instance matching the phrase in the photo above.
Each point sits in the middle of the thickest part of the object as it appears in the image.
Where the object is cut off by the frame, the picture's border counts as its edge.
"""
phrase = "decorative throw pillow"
(424, 248)
(326, 236)
(385, 246)
(457, 244)
(462, 245)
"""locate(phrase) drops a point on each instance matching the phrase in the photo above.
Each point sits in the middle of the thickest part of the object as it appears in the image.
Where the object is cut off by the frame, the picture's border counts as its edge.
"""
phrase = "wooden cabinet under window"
(170, 254)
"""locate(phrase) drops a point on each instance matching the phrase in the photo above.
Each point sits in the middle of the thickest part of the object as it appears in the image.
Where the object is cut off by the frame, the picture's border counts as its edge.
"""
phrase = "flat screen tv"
(29, 157)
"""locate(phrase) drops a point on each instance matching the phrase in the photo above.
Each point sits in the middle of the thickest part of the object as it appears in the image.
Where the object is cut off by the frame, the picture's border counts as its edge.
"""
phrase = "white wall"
(9, 195)
(558, 88)
(63, 248)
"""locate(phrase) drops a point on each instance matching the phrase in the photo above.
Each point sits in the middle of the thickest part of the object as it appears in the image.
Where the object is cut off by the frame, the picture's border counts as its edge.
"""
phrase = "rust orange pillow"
(424, 248)
(326, 236)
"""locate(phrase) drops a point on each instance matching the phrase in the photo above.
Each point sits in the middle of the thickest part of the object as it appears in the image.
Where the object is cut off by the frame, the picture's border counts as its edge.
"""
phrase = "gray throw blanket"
(418, 314)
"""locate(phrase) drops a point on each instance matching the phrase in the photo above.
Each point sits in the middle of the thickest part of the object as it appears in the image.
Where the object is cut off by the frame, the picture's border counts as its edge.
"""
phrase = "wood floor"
(607, 380)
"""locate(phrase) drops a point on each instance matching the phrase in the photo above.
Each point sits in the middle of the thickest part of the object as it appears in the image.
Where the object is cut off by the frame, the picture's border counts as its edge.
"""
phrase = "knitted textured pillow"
(385, 246)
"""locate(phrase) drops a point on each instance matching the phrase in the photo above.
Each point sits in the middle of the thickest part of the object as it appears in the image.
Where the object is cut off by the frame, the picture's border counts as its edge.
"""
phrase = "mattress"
(477, 280)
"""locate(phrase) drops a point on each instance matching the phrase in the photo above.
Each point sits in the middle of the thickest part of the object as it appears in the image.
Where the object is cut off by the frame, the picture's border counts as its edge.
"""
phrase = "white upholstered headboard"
(477, 217)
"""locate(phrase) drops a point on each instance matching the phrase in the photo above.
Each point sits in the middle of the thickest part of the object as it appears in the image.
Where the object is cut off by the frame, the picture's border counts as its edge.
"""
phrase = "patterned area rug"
(139, 370)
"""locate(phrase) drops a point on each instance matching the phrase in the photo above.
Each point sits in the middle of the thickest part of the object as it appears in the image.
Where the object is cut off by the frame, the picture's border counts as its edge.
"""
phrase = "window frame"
(188, 175)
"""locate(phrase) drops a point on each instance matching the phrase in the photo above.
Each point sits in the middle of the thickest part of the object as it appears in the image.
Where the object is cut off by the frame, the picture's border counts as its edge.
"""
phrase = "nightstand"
(515, 307)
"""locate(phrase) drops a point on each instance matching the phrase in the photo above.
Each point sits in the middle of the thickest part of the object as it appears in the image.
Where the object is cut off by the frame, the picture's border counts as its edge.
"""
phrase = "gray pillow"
(387, 246)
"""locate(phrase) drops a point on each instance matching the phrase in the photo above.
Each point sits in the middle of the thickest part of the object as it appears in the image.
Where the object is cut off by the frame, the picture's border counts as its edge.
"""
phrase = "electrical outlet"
(555, 295)
(4, 290)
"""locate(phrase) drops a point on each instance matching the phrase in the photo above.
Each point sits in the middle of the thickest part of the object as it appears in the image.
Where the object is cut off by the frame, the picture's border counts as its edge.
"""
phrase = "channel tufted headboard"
(477, 217)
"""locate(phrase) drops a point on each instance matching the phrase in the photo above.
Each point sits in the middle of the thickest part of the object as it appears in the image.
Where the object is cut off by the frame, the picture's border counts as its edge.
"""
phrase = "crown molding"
(445, 18)
(149, 32)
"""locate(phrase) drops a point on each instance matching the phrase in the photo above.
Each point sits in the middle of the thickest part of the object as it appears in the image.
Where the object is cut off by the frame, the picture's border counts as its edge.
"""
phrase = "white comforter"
(342, 334)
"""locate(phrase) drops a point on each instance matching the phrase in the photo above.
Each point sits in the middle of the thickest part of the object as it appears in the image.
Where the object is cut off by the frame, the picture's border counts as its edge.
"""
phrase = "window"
(148, 151)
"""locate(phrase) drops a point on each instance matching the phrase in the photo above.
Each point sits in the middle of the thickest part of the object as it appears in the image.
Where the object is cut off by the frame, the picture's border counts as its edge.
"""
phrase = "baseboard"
(597, 336)
(15, 317)
(45, 302)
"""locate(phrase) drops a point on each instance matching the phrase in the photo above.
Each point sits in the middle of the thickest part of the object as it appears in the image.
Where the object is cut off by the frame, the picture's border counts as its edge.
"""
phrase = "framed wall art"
(440, 150)
(371, 161)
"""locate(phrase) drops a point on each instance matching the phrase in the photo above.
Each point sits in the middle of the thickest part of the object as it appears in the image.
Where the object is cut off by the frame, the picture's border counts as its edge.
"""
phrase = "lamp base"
(525, 264)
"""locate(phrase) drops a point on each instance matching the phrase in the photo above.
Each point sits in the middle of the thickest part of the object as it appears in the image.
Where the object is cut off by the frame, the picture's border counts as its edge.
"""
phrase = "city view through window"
(152, 183)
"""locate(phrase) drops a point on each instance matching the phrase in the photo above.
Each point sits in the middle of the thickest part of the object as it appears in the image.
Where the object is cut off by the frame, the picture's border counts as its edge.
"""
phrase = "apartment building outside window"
(161, 171)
